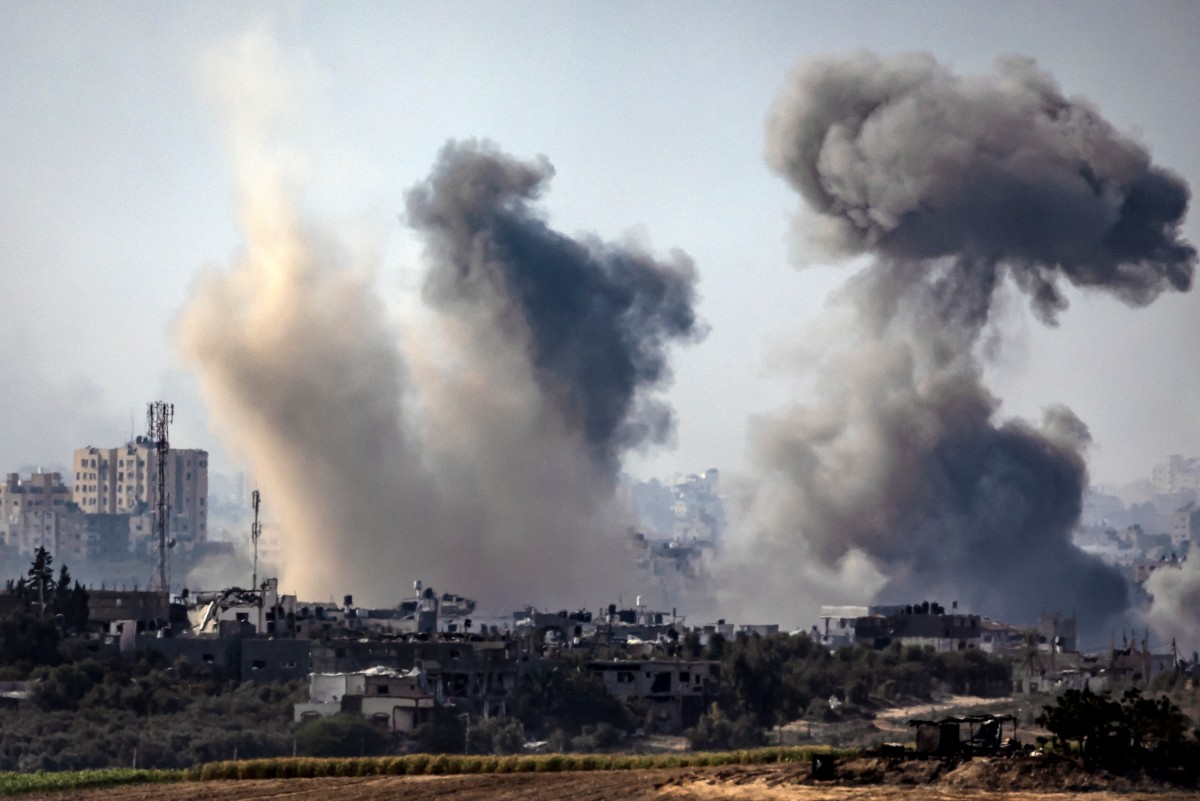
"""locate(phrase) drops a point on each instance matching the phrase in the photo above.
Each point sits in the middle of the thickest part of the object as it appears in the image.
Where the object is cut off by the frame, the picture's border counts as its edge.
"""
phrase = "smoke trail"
(595, 319)
(900, 473)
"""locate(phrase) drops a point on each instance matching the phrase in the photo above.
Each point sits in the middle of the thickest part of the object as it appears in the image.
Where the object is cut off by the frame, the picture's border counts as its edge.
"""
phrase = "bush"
(444, 733)
(341, 735)
(496, 736)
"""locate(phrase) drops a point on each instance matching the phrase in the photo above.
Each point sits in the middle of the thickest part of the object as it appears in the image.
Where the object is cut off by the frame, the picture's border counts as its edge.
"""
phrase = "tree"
(340, 735)
(40, 588)
(567, 697)
(71, 602)
(444, 733)
(26, 639)
(1113, 734)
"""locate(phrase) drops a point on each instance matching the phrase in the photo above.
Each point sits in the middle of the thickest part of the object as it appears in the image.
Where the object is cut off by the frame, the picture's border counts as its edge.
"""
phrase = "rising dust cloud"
(478, 451)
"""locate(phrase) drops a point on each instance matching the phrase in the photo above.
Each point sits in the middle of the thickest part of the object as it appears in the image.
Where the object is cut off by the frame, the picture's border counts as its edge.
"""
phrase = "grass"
(409, 765)
(42, 781)
(458, 764)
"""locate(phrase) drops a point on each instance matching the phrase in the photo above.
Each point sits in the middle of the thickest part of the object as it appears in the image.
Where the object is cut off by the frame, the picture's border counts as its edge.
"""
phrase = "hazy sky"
(117, 191)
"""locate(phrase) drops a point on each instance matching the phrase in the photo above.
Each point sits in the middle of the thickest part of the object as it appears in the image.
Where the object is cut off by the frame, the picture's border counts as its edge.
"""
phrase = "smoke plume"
(1175, 611)
(594, 319)
(900, 475)
(473, 448)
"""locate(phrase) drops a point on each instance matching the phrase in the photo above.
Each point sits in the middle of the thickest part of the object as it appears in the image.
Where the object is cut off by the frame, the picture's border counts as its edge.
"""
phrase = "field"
(859, 780)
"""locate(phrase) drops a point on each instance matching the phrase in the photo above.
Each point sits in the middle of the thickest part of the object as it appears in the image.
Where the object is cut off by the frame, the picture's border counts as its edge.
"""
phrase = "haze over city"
(330, 237)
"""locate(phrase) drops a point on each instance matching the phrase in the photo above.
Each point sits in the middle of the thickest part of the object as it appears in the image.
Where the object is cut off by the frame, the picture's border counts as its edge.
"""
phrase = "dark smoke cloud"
(472, 448)
(952, 183)
(906, 159)
(596, 318)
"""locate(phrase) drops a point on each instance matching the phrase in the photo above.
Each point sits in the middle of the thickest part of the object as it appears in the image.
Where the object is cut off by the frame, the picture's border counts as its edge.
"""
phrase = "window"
(381, 689)
(258, 664)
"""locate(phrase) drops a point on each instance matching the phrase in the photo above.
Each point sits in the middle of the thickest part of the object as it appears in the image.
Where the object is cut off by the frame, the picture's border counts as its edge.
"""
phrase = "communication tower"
(255, 533)
(158, 417)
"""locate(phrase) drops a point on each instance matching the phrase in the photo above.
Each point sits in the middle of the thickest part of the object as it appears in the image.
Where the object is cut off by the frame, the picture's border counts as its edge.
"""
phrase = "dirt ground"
(858, 780)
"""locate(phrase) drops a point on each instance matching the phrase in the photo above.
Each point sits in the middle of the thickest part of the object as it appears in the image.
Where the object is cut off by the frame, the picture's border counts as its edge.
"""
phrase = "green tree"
(444, 733)
(340, 735)
(26, 640)
(71, 602)
(1113, 735)
(40, 587)
(567, 696)
(711, 732)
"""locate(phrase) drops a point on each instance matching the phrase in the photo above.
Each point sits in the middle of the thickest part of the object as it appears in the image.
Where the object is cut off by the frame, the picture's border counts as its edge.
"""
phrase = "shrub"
(340, 735)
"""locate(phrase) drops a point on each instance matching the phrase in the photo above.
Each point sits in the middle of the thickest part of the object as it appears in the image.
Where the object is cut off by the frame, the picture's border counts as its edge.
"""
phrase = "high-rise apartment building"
(122, 481)
(38, 512)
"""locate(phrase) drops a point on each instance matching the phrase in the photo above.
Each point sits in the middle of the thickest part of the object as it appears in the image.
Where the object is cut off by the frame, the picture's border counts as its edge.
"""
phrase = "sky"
(119, 195)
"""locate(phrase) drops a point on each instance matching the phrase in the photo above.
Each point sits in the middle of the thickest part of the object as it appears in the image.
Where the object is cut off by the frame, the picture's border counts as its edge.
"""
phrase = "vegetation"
(47, 609)
(144, 713)
(567, 697)
(65, 781)
(423, 764)
(444, 733)
(340, 736)
(767, 681)
(1132, 733)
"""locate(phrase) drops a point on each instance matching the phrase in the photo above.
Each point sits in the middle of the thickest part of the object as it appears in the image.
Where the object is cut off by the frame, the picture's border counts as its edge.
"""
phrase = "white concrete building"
(396, 700)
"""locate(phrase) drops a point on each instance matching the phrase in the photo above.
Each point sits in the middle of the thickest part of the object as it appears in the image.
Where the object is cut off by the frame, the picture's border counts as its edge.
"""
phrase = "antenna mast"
(158, 418)
(255, 533)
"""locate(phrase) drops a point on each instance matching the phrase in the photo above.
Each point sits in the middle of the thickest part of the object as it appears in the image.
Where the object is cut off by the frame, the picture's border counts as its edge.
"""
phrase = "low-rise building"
(677, 692)
(396, 700)
(478, 675)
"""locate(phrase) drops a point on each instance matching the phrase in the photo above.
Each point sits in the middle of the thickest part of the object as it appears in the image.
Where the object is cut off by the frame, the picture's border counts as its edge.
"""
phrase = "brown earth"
(864, 779)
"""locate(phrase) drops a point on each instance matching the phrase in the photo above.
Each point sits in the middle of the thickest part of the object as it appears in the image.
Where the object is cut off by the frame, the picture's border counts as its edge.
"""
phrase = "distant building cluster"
(688, 509)
(103, 508)
(1149, 526)
(681, 521)
(395, 666)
